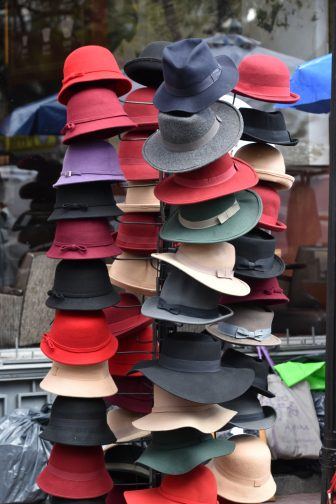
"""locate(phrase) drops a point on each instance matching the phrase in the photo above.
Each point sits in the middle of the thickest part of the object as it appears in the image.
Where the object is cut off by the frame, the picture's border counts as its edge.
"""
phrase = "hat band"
(196, 88)
(174, 498)
(52, 344)
(77, 422)
(213, 221)
(71, 125)
(189, 366)
(189, 311)
(71, 173)
(82, 247)
(263, 265)
(62, 295)
(241, 333)
(74, 75)
(73, 476)
(225, 272)
(196, 144)
(224, 176)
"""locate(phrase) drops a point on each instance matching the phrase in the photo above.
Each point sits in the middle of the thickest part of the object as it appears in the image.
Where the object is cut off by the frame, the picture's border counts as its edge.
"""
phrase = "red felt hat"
(263, 290)
(224, 176)
(271, 206)
(139, 107)
(75, 472)
(138, 232)
(125, 317)
(131, 161)
(79, 338)
(83, 239)
(91, 64)
(95, 112)
(134, 394)
(265, 78)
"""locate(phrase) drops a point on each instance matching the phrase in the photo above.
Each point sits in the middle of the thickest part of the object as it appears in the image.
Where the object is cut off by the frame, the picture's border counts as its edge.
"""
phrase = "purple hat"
(92, 161)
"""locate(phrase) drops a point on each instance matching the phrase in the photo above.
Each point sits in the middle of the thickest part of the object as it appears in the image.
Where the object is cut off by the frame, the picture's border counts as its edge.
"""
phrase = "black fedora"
(82, 284)
(78, 421)
(250, 414)
(266, 127)
(146, 69)
(255, 255)
(88, 201)
(193, 78)
(189, 367)
(234, 358)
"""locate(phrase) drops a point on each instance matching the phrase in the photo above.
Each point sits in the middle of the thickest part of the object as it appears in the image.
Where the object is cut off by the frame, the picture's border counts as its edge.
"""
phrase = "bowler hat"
(255, 255)
(187, 142)
(83, 239)
(193, 78)
(91, 63)
(90, 161)
(76, 472)
(134, 273)
(138, 232)
(265, 127)
(89, 201)
(140, 198)
(146, 69)
(81, 285)
(125, 317)
(120, 422)
(251, 415)
(79, 338)
(266, 78)
(271, 207)
(78, 421)
(263, 290)
(189, 367)
(138, 105)
(134, 394)
(132, 163)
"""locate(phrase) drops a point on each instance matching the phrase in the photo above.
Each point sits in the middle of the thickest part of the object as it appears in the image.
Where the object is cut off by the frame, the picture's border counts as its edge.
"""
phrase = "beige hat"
(136, 275)
(211, 264)
(171, 412)
(120, 422)
(79, 381)
(245, 476)
(268, 162)
(140, 198)
(249, 325)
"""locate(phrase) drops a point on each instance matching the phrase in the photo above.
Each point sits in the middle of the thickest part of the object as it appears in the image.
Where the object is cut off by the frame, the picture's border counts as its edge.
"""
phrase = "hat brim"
(118, 82)
(276, 270)
(172, 193)
(59, 385)
(105, 128)
(265, 423)
(271, 341)
(84, 178)
(251, 93)
(82, 304)
(89, 213)
(145, 71)
(102, 252)
(126, 327)
(267, 223)
(265, 136)
(279, 181)
(120, 423)
(126, 208)
(250, 208)
(76, 435)
(228, 134)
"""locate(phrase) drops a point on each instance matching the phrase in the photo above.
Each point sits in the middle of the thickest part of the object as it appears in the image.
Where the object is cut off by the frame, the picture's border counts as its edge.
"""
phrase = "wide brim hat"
(120, 421)
(245, 219)
(146, 69)
(230, 128)
(134, 274)
(265, 422)
(271, 341)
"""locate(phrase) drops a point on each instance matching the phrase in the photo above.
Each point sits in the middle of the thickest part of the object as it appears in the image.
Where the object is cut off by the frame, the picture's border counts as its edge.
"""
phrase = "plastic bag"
(23, 455)
(319, 403)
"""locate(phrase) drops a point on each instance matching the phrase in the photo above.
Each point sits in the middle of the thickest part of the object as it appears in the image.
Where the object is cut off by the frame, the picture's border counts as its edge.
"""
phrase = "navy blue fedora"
(193, 78)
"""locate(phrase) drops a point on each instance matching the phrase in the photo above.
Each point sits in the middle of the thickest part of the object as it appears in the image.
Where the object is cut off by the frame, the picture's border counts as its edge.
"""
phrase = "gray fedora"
(250, 414)
(187, 142)
(183, 300)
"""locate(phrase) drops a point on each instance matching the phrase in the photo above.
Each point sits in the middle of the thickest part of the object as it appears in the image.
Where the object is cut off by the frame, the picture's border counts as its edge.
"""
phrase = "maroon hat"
(271, 206)
(265, 78)
(83, 239)
(263, 290)
(75, 472)
(138, 232)
(131, 160)
(139, 107)
(134, 394)
(95, 111)
(224, 176)
(125, 317)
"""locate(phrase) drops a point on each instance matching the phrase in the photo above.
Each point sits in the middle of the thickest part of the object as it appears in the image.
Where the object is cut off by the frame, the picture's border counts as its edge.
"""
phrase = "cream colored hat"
(136, 275)
(268, 162)
(79, 381)
(211, 264)
(140, 198)
(120, 422)
(245, 476)
(249, 325)
(171, 412)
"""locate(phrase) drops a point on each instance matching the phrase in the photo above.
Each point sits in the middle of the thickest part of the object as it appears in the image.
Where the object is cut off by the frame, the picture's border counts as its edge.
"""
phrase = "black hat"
(189, 367)
(81, 284)
(37, 191)
(37, 234)
(88, 201)
(255, 255)
(146, 69)
(78, 421)
(60, 500)
(265, 127)
(235, 359)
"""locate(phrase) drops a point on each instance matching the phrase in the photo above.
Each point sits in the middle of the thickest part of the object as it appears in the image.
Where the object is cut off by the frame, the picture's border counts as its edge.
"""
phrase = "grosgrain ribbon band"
(198, 87)
(74, 75)
(240, 333)
(196, 144)
(189, 311)
(52, 344)
(263, 265)
(189, 366)
(71, 125)
(213, 221)
(72, 173)
(62, 295)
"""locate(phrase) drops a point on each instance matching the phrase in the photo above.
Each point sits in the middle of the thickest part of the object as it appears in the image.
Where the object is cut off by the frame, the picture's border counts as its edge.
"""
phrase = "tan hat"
(171, 412)
(249, 325)
(79, 381)
(244, 476)
(268, 162)
(120, 422)
(136, 275)
(211, 264)
(140, 198)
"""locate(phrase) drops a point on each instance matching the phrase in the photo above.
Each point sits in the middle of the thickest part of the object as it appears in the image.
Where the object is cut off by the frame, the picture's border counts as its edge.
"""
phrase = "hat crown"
(77, 409)
(251, 318)
(164, 399)
(143, 95)
(246, 404)
(154, 49)
(93, 372)
(214, 173)
(92, 194)
(90, 157)
(138, 228)
(221, 256)
(263, 69)
(130, 270)
(81, 277)
(178, 438)
(83, 231)
(130, 146)
(77, 459)
(256, 244)
(236, 359)
(88, 59)
(191, 346)
(140, 194)
(128, 306)
(183, 129)
(270, 201)
(198, 485)
(262, 120)
(263, 157)
(92, 103)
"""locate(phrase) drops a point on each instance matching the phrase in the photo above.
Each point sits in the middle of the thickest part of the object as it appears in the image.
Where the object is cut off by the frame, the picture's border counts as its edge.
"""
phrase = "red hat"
(271, 206)
(265, 78)
(198, 486)
(134, 394)
(88, 64)
(95, 110)
(263, 290)
(131, 160)
(138, 105)
(138, 232)
(75, 472)
(83, 239)
(125, 317)
(224, 176)
(79, 338)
